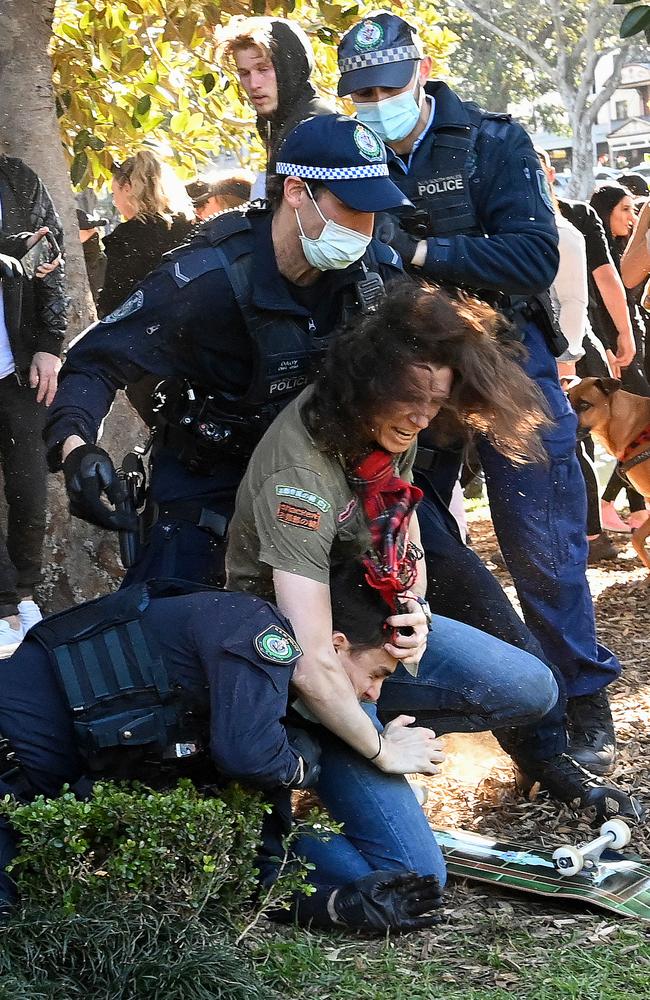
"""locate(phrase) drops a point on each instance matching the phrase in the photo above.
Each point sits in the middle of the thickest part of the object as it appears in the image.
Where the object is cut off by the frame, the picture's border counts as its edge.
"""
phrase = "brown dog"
(620, 421)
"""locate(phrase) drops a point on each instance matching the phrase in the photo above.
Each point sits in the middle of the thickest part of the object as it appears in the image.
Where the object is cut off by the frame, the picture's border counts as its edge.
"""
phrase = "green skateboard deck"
(616, 882)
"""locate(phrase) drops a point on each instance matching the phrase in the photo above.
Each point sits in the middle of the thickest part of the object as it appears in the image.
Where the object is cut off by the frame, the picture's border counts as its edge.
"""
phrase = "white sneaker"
(10, 639)
(29, 613)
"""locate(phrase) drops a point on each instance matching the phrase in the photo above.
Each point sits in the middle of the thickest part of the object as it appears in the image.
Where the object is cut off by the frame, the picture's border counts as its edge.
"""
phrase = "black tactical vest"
(442, 192)
(113, 676)
(285, 353)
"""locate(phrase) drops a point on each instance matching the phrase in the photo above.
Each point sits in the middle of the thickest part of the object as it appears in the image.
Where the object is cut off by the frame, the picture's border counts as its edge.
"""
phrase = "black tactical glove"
(389, 900)
(89, 472)
(388, 230)
(309, 751)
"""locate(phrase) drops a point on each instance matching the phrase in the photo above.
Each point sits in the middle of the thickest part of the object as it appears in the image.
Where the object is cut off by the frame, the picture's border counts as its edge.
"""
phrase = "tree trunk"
(582, 173)
(79, 562)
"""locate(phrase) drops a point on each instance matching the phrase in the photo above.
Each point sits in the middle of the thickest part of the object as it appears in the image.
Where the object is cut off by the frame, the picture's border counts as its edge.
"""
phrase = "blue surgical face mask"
(393, 118)
(336, 247)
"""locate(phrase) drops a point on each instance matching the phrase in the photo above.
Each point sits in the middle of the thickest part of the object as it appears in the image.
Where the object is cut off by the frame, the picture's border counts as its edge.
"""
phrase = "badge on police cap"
(276, 645)
(369, 36)
(132, 305)
(368, 144)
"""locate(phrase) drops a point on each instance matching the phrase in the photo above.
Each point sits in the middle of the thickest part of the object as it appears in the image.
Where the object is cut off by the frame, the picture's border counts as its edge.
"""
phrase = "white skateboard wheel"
(568, 860)
(619, 831)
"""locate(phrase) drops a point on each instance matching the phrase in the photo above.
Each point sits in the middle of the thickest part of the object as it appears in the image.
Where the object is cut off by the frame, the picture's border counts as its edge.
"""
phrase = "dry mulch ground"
(476, 788)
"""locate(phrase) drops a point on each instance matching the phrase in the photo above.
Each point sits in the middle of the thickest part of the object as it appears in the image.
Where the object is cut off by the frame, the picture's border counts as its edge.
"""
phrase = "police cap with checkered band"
(344, 155)
(381, 51)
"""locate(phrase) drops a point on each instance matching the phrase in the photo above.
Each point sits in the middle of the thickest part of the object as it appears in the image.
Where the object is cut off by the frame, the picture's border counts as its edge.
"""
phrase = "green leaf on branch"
(143, 107)
(638, 19)
(78, 168)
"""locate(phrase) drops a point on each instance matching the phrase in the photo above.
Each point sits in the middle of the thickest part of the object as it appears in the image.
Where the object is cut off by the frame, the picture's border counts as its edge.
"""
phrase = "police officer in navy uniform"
(235, 321)
(484, 222)
(154, 682)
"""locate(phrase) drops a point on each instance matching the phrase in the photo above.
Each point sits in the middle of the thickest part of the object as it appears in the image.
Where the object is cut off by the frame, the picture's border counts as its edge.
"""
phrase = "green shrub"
(135, 895)
(128, 841)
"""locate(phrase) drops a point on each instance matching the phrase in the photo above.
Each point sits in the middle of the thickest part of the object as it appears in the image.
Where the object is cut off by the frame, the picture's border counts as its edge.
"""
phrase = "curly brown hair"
(367, 368)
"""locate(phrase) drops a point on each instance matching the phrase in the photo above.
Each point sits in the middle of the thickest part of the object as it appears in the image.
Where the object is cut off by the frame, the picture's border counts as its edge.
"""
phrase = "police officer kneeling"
(98, 691)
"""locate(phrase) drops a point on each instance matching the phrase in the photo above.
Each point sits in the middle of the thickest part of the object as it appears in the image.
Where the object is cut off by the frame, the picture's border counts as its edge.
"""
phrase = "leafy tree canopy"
(128, 72)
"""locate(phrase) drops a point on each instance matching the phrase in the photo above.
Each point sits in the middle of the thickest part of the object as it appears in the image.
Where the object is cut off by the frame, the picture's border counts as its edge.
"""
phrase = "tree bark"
(79, 562)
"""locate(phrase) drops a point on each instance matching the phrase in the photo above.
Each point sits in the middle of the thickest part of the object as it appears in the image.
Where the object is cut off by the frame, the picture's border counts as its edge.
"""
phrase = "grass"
(569, 959)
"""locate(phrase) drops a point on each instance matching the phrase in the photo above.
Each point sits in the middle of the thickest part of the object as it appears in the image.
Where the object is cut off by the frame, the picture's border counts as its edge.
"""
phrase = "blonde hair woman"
(158, 216)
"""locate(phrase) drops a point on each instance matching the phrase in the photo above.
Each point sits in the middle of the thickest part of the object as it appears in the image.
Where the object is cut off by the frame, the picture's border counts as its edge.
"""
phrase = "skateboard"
(594, 872)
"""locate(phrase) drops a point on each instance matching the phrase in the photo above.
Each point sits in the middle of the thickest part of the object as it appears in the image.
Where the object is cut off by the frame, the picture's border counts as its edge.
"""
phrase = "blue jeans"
(467, 681)
(384, 826)
(539, 514)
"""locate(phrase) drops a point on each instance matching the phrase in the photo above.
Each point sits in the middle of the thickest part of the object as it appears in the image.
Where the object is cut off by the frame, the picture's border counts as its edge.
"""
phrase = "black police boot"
(592, 741)
(568, 782)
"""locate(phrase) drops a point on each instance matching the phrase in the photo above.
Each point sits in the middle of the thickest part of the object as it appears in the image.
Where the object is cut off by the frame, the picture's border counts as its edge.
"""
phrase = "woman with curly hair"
(331, 481)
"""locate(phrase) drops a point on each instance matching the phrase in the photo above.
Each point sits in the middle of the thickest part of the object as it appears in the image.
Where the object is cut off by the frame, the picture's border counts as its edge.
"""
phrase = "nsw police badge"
(369, 36)
(368, 144)
(130, 306)
(276, 645)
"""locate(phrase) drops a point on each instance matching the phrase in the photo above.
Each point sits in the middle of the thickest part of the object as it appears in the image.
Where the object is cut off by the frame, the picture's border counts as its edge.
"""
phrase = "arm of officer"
(520, 254)
(327, 692)
(142, 336)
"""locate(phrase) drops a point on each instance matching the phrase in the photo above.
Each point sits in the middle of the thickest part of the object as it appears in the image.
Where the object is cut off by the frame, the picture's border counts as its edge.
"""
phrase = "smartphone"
(54, 248)
(44, 252)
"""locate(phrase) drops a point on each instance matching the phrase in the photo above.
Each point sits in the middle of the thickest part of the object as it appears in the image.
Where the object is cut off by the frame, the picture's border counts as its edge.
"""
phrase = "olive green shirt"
(295, 510)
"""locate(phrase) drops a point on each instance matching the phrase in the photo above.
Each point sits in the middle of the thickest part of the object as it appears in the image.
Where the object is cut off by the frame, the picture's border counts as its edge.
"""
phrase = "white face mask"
(393, 118)
(336, 247)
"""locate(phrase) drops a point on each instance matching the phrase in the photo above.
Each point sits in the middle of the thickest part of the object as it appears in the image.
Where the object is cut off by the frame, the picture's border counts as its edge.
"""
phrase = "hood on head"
(293, 61)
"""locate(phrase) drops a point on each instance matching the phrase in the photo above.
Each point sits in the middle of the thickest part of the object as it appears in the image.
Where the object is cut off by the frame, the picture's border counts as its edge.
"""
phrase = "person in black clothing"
(32, 327)
(615, 207)
(274, 61)
(158, 217)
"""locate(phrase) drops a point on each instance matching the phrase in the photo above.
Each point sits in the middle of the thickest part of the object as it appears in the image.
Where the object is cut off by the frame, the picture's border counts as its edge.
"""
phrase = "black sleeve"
(50, 300)
(587, 221)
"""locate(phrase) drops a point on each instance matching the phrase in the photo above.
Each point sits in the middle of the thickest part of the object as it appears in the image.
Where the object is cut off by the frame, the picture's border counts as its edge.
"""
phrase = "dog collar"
(642, 438)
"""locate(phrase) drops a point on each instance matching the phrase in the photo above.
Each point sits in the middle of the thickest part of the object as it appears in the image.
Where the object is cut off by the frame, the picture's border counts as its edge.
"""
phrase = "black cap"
(381, 51)
(86, 221)
(635, 183)
(199, 191)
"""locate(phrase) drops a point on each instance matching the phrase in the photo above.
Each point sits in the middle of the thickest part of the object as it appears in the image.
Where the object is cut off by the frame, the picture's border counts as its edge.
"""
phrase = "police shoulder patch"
(369, 36)
(276, 645)
(544, 190)
(134, 303)
(368, 144)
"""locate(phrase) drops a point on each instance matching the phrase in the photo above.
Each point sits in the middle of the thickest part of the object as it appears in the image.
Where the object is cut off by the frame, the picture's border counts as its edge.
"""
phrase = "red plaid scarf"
(388, 503)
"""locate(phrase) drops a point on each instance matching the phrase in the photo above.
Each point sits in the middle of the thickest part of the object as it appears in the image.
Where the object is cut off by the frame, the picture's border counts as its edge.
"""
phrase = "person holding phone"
(32, 328)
